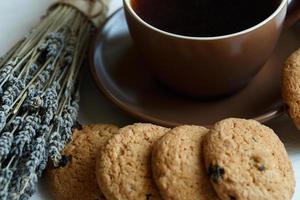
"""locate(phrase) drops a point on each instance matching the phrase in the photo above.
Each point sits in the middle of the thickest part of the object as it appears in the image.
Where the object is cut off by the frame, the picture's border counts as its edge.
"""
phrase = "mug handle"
(293, 13)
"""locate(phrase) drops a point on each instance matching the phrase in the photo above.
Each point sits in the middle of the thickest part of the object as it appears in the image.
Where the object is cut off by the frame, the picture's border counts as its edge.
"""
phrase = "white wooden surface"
(16, 19)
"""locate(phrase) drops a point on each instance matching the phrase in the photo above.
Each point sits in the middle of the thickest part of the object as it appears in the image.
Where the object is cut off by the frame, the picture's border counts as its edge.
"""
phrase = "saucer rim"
(263, 118)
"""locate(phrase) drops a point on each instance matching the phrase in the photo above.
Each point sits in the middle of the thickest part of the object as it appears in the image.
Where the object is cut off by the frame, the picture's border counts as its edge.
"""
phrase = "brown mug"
(208, 66)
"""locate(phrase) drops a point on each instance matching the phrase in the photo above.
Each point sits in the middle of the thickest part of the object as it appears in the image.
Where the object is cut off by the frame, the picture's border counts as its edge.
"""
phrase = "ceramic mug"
(207, 66)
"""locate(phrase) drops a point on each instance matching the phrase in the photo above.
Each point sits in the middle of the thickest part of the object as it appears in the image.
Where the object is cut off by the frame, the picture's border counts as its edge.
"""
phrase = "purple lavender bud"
(5, 144)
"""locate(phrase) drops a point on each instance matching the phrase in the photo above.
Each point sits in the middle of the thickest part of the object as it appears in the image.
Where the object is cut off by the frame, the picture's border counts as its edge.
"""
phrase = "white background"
(16, 19)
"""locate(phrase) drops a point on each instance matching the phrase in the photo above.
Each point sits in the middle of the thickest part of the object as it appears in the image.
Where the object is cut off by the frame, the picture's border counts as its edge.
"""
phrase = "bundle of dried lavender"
(39, 98)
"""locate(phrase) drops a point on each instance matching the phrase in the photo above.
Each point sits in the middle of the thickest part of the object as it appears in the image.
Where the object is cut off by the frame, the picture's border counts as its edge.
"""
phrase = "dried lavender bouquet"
(39, 98)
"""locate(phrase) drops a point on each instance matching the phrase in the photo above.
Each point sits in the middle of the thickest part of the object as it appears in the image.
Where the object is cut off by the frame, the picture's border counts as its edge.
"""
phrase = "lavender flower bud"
(37, 155)
(44, 130)
(5, 71)
(3, 117)
(25, 178)
(6, 140)
(3, 195)
(16, 123)
(30, 189)
(52, 46)
(23, 137)
(50, 105)
(5, 177)
(43, 164)
(13, 90)
(55, 146)
(15, 185)
(69, 117)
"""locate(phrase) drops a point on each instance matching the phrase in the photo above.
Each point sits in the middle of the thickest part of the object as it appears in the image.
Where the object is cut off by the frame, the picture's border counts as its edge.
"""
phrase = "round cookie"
(124, 169)
(178, 165)
(77, 180)
(291, 86)
(246, 161)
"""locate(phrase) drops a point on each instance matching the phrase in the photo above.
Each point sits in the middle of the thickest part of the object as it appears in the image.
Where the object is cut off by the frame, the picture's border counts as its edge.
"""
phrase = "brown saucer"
(121, 75)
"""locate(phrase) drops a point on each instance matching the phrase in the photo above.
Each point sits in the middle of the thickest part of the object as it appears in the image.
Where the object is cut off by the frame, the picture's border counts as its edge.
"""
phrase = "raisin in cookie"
(246, 161)
(291, 86)
(77, 180)
(124, 169)
(178, 165)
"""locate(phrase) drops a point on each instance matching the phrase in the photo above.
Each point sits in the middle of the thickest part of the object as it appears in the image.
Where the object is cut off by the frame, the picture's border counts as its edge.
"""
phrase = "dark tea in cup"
(206, 48)
(204, 18)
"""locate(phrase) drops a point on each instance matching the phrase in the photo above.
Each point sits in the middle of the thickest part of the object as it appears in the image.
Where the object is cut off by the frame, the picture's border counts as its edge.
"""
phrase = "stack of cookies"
(236, 160)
